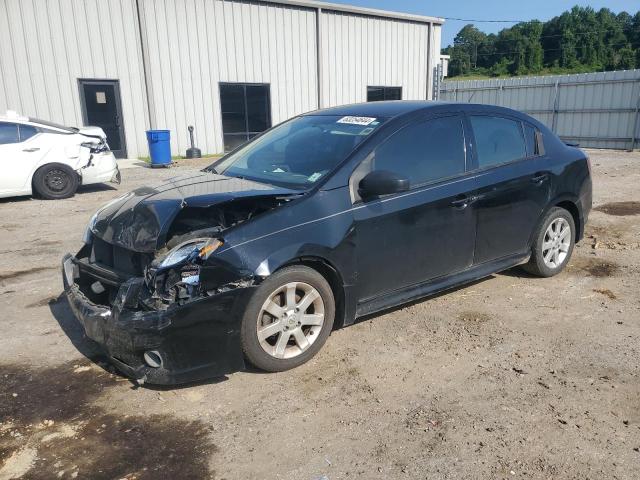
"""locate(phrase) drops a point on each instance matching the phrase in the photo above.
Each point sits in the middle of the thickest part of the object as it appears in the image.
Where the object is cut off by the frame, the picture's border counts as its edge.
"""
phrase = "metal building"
(230, 68)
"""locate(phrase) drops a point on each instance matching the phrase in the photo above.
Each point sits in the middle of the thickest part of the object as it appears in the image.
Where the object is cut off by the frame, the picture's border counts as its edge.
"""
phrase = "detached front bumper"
(196, 340)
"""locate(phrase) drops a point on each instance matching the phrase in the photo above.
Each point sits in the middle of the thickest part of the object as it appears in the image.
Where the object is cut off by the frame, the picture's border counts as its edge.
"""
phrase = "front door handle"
(35, 149)
(463, 201)
(538, 178)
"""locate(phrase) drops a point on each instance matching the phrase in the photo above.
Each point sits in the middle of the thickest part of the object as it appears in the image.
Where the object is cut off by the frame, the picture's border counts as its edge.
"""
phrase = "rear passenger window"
(26, 132)
(498, 140)
(8, 133)
(427, 151)
(531, 139)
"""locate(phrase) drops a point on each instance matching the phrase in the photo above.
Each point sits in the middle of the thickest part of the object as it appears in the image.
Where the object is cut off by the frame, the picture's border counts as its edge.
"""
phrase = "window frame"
(474, 150)
(247, 132)
(384, 92)
(538, 140)
(365, 166)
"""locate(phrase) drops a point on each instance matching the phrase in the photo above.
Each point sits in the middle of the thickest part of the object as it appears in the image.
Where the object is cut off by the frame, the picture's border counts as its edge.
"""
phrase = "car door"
(408, 238)
(18, 156)
(513, 185)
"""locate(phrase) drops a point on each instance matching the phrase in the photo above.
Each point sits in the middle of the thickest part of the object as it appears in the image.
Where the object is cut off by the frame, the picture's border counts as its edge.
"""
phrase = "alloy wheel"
(556, 243)
(290, 320)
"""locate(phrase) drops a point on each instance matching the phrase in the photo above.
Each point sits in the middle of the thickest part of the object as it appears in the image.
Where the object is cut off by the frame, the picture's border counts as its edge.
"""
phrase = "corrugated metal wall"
(360, 51)
(192, 45)
(178, 51)
(47, 45)
(598, 110)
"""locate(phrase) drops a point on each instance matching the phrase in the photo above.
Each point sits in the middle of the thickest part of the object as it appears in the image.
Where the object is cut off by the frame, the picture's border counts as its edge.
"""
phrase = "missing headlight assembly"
(175, 277)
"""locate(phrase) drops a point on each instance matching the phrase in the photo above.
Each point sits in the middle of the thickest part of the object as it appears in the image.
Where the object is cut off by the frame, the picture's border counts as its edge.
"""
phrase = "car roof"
(389, 108)
(394, 108)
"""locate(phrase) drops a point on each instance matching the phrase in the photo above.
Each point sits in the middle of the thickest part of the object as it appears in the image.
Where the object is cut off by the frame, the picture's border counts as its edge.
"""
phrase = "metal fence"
(598, 110)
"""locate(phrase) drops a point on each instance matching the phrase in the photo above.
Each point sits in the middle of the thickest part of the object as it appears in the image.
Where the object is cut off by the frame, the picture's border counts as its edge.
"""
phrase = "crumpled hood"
(140, 219)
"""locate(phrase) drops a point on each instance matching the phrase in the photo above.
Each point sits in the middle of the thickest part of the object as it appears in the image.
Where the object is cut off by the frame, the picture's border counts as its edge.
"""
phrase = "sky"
(488, 10)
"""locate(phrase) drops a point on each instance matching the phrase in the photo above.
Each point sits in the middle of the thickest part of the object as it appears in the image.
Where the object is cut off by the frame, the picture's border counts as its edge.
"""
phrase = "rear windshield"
(46, 123)
(298, 153)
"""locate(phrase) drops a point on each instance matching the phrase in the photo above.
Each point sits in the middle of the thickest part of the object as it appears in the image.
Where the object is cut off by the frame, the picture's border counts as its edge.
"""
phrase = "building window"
(377, 94)
(246, 111)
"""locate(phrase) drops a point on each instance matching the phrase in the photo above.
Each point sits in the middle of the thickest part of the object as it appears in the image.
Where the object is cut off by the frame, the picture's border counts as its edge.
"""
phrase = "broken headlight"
(200, 248)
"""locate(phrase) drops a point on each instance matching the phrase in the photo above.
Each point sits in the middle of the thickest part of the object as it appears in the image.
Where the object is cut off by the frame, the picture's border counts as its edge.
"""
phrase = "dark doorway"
(378, 94)
(246, 111)
(101, 107)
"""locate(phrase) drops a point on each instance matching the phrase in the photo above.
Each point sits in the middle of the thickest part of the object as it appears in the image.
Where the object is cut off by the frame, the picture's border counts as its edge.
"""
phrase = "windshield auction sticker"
(357, 120)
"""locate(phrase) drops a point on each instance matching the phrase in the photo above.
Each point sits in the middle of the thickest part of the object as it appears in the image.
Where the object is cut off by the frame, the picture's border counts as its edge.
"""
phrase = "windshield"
(298, 153)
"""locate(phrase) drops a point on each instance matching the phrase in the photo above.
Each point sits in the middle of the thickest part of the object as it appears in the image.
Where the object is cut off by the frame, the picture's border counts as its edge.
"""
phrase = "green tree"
(578, 40)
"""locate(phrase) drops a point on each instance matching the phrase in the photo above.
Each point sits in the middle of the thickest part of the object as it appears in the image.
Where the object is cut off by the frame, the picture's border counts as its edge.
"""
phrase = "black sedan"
(327, 217)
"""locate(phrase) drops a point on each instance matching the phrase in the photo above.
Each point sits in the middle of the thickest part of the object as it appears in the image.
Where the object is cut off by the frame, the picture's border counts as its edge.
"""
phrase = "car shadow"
(82, 189)
(97, 187)
(20, 199)
(63, 314)
(516, 272)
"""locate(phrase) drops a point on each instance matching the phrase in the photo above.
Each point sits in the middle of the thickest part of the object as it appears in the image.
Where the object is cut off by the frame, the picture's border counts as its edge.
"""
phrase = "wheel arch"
(333, 277)
(568, 203)
(572, 208)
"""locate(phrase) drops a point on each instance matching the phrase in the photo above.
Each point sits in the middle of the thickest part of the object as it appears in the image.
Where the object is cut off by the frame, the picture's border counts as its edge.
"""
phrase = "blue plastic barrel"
(159, 147)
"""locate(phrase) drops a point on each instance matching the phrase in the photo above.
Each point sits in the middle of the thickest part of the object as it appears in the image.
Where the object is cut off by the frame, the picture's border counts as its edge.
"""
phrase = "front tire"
(55, 181)
(288, 319)
(553, 243)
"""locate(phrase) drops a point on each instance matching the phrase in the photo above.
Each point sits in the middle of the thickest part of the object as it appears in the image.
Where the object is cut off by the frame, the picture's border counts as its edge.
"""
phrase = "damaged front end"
(160, 328)
(172, 314)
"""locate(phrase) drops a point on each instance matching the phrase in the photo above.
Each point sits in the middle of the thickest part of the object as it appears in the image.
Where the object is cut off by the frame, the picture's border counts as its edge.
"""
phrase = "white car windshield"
(298, 153)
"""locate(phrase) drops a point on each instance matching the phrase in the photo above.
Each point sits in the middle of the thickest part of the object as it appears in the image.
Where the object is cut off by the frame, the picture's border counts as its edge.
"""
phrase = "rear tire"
(553, 244)
(288, 319)
(55, 181)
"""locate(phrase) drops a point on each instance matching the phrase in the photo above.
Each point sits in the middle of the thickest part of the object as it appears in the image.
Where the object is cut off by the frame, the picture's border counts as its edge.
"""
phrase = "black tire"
(251, 346)
(537, 265)
(55, 181)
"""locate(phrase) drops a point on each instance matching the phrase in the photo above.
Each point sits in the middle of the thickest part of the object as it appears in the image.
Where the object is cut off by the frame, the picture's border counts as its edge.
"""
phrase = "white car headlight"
(198, 248)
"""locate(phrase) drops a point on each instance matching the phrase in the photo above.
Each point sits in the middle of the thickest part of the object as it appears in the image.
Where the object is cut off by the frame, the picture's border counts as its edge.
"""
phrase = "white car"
(51, 159)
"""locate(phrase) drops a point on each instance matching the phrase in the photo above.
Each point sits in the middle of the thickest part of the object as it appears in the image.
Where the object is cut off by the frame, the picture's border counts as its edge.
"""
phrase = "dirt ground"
(511, 377)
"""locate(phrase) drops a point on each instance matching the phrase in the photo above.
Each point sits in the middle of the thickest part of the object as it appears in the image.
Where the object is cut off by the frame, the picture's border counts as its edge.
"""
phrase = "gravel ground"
(510, 377)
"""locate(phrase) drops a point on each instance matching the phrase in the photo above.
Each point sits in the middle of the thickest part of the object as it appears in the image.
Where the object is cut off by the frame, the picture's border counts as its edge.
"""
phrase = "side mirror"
(382, 182)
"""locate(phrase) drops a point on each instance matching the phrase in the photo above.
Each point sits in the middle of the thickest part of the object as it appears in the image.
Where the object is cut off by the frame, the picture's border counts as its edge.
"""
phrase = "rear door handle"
(538, 178)
(35, 149)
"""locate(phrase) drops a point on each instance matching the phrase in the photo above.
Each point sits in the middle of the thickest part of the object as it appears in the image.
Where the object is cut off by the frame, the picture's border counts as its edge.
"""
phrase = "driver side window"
(424, 152)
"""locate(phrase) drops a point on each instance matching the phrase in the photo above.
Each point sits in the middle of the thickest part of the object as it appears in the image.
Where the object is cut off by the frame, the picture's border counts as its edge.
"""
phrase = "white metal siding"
(193, 45)
(47, 45)
(360, 51)
(190, 46)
